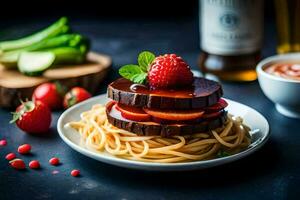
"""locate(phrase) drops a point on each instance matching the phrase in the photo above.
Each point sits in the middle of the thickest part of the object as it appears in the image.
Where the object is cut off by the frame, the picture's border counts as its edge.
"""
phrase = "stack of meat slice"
(182, 111)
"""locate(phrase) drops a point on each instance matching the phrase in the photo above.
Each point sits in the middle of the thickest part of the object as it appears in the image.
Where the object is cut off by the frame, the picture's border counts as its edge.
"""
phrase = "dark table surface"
(271, 173)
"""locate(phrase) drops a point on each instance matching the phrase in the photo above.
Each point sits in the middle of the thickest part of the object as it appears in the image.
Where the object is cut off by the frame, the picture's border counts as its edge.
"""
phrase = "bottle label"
(231, 27)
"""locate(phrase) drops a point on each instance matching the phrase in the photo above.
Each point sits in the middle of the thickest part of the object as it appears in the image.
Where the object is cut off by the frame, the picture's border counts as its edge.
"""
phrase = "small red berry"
(75, 172)
(55, 172)
(169, 71)
(10, 156)
(54, 161)
(3, 142)
(24, 149)
(34, 164)
(17, 164)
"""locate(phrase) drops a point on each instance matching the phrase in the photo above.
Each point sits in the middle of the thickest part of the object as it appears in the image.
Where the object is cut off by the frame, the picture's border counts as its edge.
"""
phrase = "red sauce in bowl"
(285, 70)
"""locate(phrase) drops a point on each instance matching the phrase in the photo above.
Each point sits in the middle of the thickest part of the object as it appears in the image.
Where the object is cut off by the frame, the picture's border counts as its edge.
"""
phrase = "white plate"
(252, 118)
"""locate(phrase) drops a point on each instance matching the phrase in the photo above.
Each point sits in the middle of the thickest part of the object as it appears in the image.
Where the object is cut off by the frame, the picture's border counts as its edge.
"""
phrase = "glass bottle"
(231, 38)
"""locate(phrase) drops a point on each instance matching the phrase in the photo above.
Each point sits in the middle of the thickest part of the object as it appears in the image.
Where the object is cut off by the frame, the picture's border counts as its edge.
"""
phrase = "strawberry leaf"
(27, 106)
(61, 89)
(16, 117)
(133, 73)
(72, 100)
(145, 59)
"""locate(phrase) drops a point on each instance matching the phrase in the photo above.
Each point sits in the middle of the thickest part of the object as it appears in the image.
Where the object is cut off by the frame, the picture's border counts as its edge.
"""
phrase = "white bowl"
(285, 93)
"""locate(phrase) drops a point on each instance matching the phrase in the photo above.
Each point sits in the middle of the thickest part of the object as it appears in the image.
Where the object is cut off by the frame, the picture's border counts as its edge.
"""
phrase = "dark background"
(114, 8)
(22, 11)
(93, 8)
(152, 21)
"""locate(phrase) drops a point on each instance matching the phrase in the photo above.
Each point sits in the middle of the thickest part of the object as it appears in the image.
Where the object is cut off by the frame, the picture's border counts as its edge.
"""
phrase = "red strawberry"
(32, 117)
(50, 94)
(169, 71)
(75, 95)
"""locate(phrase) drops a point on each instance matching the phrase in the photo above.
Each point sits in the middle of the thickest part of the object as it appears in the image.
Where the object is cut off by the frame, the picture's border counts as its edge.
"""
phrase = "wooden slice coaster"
(15, 86)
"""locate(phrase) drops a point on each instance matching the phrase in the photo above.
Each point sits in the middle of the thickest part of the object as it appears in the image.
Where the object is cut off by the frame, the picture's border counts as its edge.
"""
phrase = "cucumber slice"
(9, 60)
(35, 63)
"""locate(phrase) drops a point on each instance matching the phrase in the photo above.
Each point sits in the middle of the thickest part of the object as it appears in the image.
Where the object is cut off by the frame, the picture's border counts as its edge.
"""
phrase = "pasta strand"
(99, 135)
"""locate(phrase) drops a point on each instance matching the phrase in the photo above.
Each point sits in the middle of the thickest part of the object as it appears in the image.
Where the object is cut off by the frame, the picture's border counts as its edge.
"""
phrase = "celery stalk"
(10, 58)
(59, 27)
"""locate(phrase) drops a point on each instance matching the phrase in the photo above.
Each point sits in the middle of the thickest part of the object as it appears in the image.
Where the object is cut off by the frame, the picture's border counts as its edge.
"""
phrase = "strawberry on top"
(169, 71)
(162, 72)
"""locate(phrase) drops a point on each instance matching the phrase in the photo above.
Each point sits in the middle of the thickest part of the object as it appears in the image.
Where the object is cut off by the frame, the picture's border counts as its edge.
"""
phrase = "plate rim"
(167, 166)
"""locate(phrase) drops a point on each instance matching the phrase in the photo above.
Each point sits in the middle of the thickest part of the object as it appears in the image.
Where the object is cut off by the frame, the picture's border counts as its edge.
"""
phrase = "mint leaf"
(145, 59)
(127, 71)
(139, 78)
(138, 73)
(133, 73)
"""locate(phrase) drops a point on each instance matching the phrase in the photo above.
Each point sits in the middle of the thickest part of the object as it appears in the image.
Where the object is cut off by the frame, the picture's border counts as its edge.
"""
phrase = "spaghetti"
(98, 134)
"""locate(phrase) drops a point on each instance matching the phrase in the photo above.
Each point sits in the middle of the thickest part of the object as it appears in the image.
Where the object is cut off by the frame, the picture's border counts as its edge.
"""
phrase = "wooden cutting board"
(15, 86)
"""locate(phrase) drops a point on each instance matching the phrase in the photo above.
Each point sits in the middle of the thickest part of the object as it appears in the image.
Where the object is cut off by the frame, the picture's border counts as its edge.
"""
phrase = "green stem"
(55, 29)
(10, 58)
